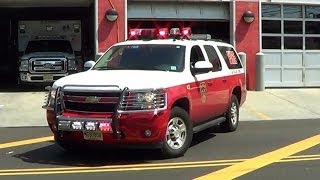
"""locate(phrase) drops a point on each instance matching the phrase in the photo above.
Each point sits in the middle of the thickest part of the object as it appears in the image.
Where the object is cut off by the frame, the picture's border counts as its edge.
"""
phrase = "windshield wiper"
(109, 68)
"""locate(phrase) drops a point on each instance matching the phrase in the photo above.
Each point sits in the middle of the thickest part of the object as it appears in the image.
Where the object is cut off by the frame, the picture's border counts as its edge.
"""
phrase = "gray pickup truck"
(45, 61)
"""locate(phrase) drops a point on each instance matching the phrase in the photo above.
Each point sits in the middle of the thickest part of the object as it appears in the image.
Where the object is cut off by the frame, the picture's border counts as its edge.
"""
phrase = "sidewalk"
(281, 104)
(24, 108)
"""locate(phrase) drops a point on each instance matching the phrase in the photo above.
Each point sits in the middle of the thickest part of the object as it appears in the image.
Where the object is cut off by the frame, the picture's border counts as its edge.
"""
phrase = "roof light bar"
(143, 34)
(200, 36)
(162, 33)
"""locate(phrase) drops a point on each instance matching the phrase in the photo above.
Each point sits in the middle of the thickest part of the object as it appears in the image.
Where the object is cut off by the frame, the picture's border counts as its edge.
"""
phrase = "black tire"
(68, 147)
(171, 147)
(232, 116)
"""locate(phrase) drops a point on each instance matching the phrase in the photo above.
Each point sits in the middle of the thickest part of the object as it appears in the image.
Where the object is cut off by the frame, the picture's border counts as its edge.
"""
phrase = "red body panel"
(217, 97)
(133, 127)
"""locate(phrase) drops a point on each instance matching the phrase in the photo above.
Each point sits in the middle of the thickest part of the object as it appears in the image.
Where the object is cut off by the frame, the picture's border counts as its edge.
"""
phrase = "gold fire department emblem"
(92, 99)
(203, 92)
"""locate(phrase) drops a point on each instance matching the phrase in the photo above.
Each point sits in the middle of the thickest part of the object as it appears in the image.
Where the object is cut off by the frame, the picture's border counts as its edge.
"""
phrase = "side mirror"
(88, 65)
(202, 67)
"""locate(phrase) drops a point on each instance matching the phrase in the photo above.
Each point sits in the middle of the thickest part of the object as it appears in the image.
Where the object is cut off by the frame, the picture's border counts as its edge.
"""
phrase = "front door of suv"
(201, 106)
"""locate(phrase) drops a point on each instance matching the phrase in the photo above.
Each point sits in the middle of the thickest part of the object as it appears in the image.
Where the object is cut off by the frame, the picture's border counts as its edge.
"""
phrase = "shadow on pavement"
(54, 155)
(20, 88)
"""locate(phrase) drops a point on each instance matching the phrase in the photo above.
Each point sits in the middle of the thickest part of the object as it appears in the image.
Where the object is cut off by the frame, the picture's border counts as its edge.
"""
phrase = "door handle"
(224, 80)
(209, 83)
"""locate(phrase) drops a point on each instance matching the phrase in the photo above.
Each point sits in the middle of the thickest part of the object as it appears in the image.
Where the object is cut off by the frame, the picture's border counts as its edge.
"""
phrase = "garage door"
(178, 10)
(291, 43)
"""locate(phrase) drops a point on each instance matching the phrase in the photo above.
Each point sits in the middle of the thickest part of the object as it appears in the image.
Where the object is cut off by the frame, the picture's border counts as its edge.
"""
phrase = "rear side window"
(213, 57)
(230, 56)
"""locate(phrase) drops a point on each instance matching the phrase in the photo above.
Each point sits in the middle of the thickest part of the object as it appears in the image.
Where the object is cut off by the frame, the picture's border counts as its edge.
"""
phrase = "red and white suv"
(149, 93)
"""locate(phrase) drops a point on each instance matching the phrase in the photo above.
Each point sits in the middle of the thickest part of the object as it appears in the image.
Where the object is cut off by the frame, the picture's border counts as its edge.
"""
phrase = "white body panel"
(63, 28)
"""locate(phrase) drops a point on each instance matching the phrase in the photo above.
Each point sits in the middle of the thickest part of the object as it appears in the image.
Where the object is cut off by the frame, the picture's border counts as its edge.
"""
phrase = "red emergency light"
(143, 33)
(186, 32)
(162, 33)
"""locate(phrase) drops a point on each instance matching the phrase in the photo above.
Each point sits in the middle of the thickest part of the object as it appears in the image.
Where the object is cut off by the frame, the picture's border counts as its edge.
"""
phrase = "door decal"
(203, 91)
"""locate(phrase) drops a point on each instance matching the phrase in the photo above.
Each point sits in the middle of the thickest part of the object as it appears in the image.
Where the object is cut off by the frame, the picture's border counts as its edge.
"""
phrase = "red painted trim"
(110, 33)
(247, 37)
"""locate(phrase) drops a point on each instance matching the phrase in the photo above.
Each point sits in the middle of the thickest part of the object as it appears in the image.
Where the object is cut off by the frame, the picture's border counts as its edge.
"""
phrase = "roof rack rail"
(200, 37)
(219, 40)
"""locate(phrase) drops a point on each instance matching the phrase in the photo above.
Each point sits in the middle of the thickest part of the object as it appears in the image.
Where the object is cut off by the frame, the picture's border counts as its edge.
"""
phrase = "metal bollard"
(243, 58)
(260, 72)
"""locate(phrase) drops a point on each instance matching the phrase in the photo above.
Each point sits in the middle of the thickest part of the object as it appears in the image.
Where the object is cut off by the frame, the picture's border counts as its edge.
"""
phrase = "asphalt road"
(257, 150)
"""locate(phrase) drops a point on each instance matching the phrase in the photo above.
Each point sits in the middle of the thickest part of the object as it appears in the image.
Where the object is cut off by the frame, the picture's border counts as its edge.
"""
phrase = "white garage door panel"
(273, 69)
(292, 69)
(273, 59)
(312, 77)
(181, 10)
(292, 75)
(312, 59)
(272, 75)
(292, 59)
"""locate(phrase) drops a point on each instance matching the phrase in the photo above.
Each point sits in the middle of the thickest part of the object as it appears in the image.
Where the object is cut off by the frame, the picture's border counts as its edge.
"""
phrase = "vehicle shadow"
(25, 88)
(205, 135)
(55, 155)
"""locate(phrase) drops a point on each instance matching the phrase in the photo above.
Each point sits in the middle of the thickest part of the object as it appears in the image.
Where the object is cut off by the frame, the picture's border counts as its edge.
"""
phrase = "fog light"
(77, 125)
(105, 127)
(147, 133)
(64, 125)
(23, 77)
(91, 126)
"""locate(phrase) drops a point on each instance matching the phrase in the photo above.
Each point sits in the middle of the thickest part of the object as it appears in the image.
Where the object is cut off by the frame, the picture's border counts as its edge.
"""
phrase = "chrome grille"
(100, 102)
(49, 65)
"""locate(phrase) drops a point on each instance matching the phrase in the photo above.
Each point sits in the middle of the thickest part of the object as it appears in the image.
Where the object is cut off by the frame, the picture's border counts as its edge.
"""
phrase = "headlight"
(72, 65)
(145, 97)
(49, 100)
(144, 100)
(24, 65)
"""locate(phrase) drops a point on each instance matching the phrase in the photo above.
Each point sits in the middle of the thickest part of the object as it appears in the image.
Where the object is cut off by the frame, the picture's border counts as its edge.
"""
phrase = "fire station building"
(287, 32)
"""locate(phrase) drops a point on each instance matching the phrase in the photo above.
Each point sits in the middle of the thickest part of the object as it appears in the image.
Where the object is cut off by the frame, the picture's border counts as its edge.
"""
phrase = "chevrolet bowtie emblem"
(92, 99)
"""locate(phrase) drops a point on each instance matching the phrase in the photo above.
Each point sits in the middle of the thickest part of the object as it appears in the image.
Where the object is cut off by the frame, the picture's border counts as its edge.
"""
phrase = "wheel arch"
(183, 103)
(237, 92)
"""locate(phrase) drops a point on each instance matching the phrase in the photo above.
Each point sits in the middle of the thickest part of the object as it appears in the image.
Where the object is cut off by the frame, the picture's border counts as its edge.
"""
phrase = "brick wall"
(110, 32)
(247, 37)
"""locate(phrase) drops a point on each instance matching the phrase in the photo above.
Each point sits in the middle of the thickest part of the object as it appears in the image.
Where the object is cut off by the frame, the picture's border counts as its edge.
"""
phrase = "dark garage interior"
(9, 17)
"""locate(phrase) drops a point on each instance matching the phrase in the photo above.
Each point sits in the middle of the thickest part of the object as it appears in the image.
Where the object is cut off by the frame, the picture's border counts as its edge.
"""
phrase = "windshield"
(143, 57)
(49, 46)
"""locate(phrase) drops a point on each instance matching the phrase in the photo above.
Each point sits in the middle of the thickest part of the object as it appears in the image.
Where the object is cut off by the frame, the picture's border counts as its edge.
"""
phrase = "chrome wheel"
(232, 116)
(176, 133)
(234, 113)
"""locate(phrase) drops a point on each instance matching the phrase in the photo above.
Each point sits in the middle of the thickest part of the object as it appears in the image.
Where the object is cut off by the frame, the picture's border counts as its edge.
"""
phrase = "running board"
(208, 124)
